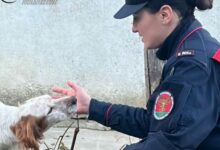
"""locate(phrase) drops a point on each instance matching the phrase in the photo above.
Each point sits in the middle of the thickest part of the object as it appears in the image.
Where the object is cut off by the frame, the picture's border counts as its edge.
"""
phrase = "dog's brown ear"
(29, 130)
(42, 124)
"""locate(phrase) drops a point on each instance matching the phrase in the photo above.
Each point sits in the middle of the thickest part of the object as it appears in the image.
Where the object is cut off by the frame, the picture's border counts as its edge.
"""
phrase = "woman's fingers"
(56, 97)
(72, 85)
(59, 90)
(63, 91)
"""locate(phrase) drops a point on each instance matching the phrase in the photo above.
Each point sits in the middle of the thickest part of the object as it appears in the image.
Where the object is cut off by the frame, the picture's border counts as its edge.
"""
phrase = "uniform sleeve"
(122, 118)
(194, 114)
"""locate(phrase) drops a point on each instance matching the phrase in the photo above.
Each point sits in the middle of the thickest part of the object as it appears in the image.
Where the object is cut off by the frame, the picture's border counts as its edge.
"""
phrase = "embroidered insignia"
(186, 53)
(163, 105)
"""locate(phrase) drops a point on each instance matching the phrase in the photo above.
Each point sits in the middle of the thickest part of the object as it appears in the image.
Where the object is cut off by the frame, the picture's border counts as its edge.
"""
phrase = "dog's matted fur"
(22, 127)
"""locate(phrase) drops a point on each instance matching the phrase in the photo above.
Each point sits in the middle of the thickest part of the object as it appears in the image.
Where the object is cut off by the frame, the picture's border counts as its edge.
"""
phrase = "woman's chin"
(148, 46)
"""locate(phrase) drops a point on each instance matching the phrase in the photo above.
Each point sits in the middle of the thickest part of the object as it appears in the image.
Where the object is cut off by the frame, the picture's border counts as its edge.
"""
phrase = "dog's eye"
(51, 109)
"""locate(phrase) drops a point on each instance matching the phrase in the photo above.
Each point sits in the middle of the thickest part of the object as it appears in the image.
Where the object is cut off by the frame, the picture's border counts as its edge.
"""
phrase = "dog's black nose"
(73, 102)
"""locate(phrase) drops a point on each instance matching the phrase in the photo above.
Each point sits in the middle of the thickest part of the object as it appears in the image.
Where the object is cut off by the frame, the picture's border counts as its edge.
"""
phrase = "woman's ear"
(29, 130)
(166, 14)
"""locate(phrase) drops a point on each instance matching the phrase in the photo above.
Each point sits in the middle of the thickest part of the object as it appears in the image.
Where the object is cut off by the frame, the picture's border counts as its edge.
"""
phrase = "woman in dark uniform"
(183, 113)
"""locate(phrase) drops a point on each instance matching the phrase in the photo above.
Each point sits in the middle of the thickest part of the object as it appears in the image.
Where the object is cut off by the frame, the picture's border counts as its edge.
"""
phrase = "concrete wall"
(46, 45)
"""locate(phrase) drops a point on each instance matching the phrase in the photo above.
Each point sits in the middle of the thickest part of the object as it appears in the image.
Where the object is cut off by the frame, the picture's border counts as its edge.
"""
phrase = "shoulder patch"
(185, 53)
(163, 105)
(217, 55)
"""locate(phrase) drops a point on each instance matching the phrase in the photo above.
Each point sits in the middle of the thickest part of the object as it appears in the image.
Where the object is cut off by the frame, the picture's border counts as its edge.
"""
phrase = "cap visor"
(128, 10)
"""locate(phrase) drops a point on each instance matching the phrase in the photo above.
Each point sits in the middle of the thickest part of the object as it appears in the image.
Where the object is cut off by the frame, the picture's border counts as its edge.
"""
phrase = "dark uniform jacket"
(183, 113)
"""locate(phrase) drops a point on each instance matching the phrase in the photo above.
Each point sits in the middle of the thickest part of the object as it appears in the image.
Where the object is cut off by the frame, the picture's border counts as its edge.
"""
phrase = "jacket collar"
(171, 43)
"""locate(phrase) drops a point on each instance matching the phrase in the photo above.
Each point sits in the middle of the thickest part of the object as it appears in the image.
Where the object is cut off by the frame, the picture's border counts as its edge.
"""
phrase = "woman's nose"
(134, 28)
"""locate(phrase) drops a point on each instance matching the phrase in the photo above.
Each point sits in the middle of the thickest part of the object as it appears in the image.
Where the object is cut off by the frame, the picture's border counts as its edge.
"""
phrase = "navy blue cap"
(130, 7)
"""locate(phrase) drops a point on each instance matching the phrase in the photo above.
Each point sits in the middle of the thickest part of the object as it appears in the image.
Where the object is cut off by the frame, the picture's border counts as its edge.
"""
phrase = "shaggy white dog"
(22, 127)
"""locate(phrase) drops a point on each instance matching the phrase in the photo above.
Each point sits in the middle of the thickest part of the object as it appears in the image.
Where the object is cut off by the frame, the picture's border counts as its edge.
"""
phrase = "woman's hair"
(183, 7)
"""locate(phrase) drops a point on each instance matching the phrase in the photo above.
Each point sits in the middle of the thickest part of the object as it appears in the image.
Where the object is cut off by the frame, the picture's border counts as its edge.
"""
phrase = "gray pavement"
(87, 139)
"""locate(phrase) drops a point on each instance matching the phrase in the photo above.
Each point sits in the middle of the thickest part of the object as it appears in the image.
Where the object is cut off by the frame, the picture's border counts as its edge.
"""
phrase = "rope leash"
(76, 131)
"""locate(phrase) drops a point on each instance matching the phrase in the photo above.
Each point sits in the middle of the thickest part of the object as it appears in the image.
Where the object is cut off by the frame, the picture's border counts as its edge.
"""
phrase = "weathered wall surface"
(46, 45)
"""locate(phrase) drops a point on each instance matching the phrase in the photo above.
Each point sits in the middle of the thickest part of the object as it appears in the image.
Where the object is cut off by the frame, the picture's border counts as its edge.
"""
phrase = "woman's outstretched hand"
(83, 99)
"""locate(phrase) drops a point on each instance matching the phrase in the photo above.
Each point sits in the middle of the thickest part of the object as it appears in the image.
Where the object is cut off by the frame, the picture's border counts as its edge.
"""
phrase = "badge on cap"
(163, 105)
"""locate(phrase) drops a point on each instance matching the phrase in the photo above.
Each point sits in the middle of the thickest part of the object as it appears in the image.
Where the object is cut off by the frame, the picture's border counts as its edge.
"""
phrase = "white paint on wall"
(46, 45)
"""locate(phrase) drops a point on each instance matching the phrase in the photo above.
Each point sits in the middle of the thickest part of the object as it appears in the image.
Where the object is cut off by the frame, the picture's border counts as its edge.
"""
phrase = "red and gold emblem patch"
(163, 105)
